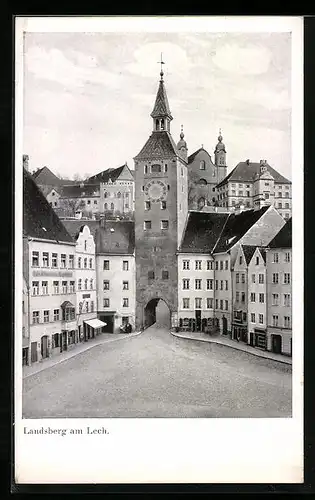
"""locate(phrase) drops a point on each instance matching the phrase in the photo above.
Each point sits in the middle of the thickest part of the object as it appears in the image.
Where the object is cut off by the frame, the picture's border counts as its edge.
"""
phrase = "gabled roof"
(244, 172)
(202, 231)
(77, 190)
(236, 227)
(161, 106)
(248, 251)
(105, 175)
(115, 238)
(159, 145)
(193, 155)
(46, 177)
(39, 219)
(75, 226)
(284, 238)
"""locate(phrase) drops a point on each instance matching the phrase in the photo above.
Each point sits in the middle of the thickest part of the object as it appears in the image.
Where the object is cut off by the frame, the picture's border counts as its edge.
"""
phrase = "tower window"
(147, 205)
(165, 168)
(147, 224)
(202, 165)
(164, 224)
(157, 125)
(168, 187)
(156, 169)
(151, 275)
(162, 124)
(164, 275)
(203, 182)
(163, 205)
(146, 169)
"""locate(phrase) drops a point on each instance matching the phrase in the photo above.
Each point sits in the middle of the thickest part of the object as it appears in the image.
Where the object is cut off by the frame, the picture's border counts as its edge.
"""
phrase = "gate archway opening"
(157, 312)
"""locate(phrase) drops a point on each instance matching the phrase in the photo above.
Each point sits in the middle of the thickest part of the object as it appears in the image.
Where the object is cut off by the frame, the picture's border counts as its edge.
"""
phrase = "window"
(237, 296)
(147, 225)
(226, 305)
(286, 194)
(185, 284)
(198, 284)
(125, 265)
(253, 278)
(275, 258)
(89, 202)
(221, 305)
(35, 317)
(266, 196)
(240, 193)
(217, 284)
(54, 260)
(63, 260)
(210, 284)
(106, 302)
(261, 298)
(209, 265)
(279, 195)
(156, 169)
(46, 316)
(243, 278)
(106, 265)
(275, 299)
(35, 287)
(252, 318)
(226, 285)
(119, 194)
(202, 165)
(45, 259)
(85, 263)
(125, 302)
(216, 265)
(56, 315)
(286, 205)
(71, 288)
(56, 287)
(164, 275)
(287, 257)
(287, 300)
(216, 304)
(221, 265)
(79, 262)
(86, 284)
(112, 206)
(145, 169)
(91, 284)
(247, 194)
(80, 284)
(243, 296)
(275, 320)
(125, 285)
(261, 279)
(241, 259)
(279, 205)
(287, 322)
(257, 261)
(71, 261)
(147, 205)
(261, 319)
(164, 224)
(151, 275)
(198, 303)
(64, 286)
(181, 171)
(209, 303)
(163, 205)
(226, 264)
(106, 285)
(287, 278)
(105, 206)
(198, 265)
(35, 259)
(186, 264)
(253, 297)
(237, 278)
(95, 202)
(185, 303)
(92, 306)
(68, 314)
(275, 278)
(45, 287)
(91, 263)
(87, 306)
(221, 284)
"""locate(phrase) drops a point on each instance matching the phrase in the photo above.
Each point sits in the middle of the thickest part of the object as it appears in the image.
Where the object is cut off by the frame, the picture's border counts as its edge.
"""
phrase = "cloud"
(261, 95)
(250, 60)
(53, 65)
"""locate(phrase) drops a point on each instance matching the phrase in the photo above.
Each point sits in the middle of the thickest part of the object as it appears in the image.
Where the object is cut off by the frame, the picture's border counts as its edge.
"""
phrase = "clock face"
(155, 190)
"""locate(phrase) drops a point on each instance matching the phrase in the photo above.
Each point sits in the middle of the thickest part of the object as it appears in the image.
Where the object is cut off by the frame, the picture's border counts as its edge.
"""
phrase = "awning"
(95, 323)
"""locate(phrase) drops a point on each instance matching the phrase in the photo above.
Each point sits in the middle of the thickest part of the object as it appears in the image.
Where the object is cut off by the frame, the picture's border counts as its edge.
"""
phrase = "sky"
(88, 96)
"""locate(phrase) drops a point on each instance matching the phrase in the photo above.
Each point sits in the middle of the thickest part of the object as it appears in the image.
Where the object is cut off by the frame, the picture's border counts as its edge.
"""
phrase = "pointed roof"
(202, 232)
(46, 176)
(193, 155)
(248, 251)
(110, 173)
(159, 145)
(115, 238)
(246, 172)
(39, 219)
(161, 106)
(284, 238)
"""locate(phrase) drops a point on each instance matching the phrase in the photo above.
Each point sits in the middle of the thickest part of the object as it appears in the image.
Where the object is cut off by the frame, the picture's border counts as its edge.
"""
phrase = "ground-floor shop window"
(55, 338)
(71, 337)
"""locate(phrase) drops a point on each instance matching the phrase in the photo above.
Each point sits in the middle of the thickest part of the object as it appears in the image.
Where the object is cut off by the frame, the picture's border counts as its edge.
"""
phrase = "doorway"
(44, 346)
(224, 325)
(33, 352)
(276, 344)
(157, 312)
(198, 320)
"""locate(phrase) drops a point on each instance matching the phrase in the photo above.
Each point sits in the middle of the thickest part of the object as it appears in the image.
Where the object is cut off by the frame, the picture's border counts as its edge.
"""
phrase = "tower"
(220, 158)
(182, 145)
(161, 206)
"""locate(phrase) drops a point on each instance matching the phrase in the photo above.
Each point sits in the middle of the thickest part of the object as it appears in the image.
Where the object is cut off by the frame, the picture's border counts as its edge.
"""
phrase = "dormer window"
(162, 124)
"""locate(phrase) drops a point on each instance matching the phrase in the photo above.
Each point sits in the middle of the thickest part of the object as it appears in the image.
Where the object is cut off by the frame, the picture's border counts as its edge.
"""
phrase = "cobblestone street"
(158, 375)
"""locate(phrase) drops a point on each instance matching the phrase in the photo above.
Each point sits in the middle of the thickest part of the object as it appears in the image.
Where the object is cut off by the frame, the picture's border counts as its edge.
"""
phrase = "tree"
(71, 205)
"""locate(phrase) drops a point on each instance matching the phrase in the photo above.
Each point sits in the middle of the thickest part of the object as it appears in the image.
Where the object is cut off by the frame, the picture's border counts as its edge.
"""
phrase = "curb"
(128, 336)
(232, 347)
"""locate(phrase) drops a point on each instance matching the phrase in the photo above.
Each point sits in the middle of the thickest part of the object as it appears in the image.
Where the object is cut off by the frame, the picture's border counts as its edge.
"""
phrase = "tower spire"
(161, 63)
(161, 113)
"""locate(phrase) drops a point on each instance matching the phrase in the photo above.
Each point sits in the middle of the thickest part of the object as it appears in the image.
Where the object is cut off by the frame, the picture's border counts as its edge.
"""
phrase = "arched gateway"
(157, 312)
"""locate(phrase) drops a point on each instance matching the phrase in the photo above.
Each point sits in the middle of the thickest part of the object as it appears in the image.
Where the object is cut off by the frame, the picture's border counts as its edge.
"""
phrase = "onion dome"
(182, 143)
(220, 146)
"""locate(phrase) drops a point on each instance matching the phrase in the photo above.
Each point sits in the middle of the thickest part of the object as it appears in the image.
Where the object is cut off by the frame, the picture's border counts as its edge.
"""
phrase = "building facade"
(257, 299)
(240, 294)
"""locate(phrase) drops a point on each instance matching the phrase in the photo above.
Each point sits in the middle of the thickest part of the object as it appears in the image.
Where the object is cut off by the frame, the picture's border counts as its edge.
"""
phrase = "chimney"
(25, 161)
(247, 161)
(262, 162)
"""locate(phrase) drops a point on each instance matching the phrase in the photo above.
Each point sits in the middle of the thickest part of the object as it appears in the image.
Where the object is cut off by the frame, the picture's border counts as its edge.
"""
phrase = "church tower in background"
(161, 207)
(220, 159)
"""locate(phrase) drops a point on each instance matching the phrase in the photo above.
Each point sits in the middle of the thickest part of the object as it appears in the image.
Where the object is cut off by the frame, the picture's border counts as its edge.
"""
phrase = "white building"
(257, 299)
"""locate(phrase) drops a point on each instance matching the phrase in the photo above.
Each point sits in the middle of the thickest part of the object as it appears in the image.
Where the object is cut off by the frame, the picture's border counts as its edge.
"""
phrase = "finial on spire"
(220, 135)
(202, 146)
(181, 135)
(161, 63)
